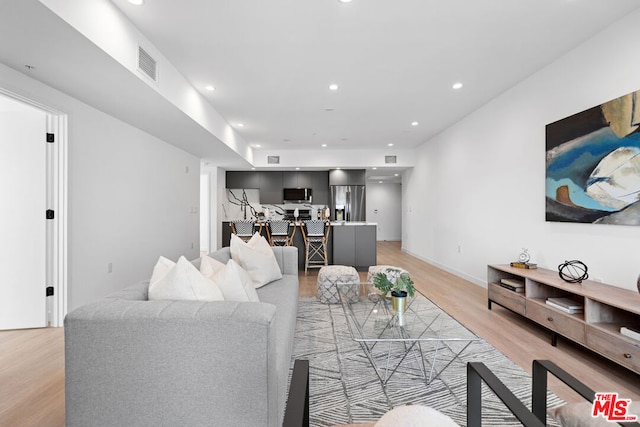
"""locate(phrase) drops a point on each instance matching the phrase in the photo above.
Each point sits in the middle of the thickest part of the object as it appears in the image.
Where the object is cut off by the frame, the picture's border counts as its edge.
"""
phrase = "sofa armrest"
(171, 363)
(287, 257)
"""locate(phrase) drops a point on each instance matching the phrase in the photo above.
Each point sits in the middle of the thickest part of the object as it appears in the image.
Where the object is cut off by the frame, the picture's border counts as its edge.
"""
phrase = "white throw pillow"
(209, 266)
(184, 282)
(256, 256)
(235, 283)
(162, 267)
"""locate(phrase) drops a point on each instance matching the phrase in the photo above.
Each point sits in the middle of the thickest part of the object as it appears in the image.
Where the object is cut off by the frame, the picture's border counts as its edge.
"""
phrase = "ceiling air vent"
(391, 159)
(147, 64)
(273, 160)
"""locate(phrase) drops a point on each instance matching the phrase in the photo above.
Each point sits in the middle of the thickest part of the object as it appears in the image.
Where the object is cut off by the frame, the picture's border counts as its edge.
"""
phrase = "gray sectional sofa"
(134, 362)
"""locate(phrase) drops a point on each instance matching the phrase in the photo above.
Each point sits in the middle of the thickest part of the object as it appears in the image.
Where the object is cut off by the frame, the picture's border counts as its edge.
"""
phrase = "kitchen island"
(354, 243)
(350, 243)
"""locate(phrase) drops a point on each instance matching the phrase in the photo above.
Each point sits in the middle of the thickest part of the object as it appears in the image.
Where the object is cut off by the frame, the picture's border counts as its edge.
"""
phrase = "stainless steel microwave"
(296, 195)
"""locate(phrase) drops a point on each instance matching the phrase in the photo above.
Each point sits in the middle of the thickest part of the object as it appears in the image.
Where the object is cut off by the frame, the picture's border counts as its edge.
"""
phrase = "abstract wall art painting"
(593, 164)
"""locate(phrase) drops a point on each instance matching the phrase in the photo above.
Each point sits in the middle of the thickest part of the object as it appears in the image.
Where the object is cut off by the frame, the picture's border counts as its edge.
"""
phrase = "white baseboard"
(476, 281)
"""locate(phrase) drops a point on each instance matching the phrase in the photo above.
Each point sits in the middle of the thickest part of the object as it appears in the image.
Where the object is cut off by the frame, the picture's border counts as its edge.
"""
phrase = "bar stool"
(243, 229)
(316, 237)
(280, 233)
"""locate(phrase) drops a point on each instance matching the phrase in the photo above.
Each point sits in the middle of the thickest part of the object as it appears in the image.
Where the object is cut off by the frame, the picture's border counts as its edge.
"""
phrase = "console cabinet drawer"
(614, 347)
(559, 322)
(506, 298)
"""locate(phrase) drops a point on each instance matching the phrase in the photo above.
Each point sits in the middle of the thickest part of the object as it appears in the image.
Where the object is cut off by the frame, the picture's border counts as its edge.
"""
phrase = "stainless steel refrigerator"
(348, 203)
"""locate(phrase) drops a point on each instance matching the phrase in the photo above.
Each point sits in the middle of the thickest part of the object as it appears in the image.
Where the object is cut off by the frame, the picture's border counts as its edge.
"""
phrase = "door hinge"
(51, 137)
(49, 291)
(50, 214)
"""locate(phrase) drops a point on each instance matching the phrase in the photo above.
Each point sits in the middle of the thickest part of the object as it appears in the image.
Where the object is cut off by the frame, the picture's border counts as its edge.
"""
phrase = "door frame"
(56, 262)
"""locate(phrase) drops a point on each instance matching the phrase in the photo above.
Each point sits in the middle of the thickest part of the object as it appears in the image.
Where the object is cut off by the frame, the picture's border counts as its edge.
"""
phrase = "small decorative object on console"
(573, 271)
(524, 256)
(523, 260)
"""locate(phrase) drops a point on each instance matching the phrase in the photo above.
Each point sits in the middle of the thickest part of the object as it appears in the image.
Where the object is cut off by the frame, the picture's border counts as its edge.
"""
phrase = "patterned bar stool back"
(316, 236)
(243, 229)
(279, 233)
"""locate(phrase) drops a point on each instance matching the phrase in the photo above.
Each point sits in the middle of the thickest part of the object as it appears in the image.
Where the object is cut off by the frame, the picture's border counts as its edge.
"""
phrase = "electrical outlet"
(110, 267)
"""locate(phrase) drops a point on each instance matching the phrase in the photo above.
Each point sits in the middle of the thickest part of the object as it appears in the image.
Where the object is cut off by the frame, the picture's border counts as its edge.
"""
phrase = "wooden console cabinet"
(606, 309)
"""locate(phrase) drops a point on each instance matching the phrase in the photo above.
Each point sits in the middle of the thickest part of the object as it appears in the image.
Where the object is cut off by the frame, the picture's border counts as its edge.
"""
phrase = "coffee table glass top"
(390, 339)
(370, 317)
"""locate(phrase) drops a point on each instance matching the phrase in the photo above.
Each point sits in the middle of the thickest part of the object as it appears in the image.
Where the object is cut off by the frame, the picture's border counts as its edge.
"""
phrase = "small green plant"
(393, 280)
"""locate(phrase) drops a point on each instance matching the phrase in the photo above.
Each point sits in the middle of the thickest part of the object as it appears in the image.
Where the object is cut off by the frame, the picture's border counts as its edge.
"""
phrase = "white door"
(23, 195)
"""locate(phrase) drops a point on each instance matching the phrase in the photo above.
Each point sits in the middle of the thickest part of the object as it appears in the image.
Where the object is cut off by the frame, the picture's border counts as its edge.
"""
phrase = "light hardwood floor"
(32, 361)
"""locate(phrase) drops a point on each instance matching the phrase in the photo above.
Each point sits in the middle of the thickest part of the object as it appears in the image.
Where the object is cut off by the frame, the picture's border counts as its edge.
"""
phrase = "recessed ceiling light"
(333, 86)
(379, 182)
(344, 1)
(297, 169)
(257, 145)
(210, 88)
(253, 169)
(324, 145)
(395, 174)
(457, 85)
(390, 144)
(240, 125)
(374, 168)
(136, 2)
(414, 123)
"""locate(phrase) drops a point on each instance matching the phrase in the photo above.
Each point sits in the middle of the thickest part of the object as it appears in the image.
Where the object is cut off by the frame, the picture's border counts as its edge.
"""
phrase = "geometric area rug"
(344, 388)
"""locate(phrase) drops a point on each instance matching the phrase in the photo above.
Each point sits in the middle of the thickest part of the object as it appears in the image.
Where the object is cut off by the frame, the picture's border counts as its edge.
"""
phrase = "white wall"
(131, 196)
(477, 195)
(384, 206)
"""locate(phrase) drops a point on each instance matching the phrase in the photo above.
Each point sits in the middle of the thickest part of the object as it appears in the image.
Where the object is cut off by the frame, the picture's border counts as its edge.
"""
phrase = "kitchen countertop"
(334, 223)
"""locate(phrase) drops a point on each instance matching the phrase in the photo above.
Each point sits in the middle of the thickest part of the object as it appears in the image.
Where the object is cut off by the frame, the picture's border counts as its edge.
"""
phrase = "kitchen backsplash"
(239, 201)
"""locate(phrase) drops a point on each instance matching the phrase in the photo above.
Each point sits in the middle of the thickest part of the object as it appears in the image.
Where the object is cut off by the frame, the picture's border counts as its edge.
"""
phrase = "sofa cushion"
(184, 282)
(256, 256)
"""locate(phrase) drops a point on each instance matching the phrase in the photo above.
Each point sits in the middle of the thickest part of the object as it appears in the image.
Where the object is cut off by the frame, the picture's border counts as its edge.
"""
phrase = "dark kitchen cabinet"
(271, 187)
(292, 179)
(320, 186)
(242, 179)
(347, 177)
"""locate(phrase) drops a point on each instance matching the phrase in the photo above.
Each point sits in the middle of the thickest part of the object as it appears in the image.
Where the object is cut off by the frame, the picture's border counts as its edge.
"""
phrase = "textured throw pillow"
(209, 266)
(184, 282)
(235, 283)
(257, 258)
(162, 267)
(579, 415)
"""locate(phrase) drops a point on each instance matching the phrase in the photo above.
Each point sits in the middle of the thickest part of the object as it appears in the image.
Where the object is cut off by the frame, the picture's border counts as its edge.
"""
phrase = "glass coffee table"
(388, 339)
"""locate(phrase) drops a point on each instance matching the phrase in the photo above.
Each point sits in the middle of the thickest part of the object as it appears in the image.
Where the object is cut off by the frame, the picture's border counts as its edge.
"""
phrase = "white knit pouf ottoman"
(330, 276)
(375, 269)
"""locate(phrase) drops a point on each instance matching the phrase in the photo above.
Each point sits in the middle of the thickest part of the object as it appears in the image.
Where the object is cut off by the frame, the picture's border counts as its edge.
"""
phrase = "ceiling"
(271, 62)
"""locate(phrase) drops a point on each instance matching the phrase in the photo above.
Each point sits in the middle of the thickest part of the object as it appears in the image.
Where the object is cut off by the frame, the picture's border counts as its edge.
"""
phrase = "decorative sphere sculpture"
(573, 271)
